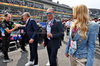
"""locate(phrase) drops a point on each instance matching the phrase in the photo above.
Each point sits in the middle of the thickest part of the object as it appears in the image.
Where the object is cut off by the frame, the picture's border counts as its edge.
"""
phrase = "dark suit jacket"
(57, 32)
(31, 30)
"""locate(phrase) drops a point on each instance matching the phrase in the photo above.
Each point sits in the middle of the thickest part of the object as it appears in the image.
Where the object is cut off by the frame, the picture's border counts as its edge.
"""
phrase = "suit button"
(80, 40)
(78, 44)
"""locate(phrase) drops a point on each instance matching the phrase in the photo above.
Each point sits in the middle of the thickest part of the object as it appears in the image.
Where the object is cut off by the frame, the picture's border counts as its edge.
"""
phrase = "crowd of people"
(11, 12)
(29, 4)
(18, 12)
(23, 3)
(80, 46)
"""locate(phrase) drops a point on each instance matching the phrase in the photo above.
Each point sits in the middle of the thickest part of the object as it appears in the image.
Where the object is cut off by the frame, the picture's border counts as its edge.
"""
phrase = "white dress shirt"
(49, 27)
(27, 21)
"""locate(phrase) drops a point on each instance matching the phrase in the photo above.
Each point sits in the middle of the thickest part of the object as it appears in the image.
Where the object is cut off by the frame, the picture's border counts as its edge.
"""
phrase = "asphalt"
(20, 59)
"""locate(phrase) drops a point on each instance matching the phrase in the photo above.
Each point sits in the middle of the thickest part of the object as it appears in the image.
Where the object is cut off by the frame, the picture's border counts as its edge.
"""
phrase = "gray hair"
(26, 13)
(51, 9)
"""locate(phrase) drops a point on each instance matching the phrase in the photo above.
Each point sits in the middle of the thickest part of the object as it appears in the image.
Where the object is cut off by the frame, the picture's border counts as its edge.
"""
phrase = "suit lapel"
(53, 22)
(28, 22)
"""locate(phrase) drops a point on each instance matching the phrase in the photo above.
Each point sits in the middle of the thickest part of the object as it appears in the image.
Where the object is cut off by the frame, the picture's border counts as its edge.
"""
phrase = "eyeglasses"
(49, 13)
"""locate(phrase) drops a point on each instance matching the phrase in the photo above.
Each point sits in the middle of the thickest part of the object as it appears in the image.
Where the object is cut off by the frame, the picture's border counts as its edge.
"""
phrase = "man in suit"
(54, 33)
(31, 29)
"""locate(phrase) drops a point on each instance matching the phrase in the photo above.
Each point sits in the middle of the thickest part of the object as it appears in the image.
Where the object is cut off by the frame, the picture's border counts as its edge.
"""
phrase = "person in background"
(6, 29)
(63, 24)
(40, 32)
(99, 30)
(99, 20)
(54, 32)
(68, 25)
(39, 25)
(95, 20)
(81, 44)
(22, 32)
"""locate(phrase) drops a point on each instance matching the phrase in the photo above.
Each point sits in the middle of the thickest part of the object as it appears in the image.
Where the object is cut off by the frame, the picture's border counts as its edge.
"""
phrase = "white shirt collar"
(27, 20)
(51, 20)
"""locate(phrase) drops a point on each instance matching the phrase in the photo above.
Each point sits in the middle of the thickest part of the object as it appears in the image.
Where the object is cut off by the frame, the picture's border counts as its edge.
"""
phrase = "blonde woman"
(81, 45)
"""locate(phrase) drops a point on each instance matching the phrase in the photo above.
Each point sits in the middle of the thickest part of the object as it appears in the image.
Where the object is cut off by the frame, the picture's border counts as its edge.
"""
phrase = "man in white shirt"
(54, 32)
(68, 25)
(95, 20)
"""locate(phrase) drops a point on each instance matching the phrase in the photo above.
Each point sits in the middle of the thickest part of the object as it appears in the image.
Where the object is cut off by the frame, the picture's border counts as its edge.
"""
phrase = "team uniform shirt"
(5, 25)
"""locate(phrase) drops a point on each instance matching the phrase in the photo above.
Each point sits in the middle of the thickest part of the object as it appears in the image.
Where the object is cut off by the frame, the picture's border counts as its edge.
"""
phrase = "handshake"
(18, 25)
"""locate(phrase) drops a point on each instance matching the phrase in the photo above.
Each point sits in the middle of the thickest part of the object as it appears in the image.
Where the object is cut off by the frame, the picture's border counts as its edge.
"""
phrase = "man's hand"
(31, 41)
(21, 25)
(24, 25)
(67, 55)
(49, 35)
(16, 26)
(43, 44)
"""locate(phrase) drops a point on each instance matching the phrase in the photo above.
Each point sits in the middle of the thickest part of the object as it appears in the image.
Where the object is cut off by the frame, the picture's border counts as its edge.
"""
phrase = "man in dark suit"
(54, 33)
(31, 29)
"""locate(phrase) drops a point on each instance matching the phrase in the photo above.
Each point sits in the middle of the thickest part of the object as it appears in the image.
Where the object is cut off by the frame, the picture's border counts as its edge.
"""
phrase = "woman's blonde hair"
(81, 16)
(2, 19)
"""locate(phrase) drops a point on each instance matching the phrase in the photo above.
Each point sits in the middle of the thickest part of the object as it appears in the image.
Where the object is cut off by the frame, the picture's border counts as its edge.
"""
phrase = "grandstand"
(94, 12)
(37, 9)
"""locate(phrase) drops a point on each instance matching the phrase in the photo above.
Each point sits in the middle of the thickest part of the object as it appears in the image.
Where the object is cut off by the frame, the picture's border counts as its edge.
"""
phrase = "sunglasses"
(49, 13)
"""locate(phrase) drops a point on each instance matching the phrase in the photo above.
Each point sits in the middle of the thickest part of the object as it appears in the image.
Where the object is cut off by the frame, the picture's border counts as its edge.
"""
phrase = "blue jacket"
(85, 47)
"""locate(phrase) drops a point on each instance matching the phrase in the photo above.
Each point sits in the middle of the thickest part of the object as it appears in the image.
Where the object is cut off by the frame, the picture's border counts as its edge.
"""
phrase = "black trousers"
(1, 45)
(5, 46)
(68, 29)
(33, 52)
(52, 54)
(22, 43)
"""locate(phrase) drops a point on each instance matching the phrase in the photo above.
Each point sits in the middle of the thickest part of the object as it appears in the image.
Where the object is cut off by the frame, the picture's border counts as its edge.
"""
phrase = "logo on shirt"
(3, 25)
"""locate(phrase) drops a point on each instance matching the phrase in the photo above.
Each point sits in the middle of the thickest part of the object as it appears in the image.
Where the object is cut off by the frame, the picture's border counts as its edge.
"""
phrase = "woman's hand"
(67, 55)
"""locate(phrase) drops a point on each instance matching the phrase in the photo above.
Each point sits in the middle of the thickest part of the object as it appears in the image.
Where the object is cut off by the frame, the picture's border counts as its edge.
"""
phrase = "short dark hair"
(6, 14)
(95, 18)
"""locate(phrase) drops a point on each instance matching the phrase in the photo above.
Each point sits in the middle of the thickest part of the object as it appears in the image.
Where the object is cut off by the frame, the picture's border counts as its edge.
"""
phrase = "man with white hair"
(31, 29)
